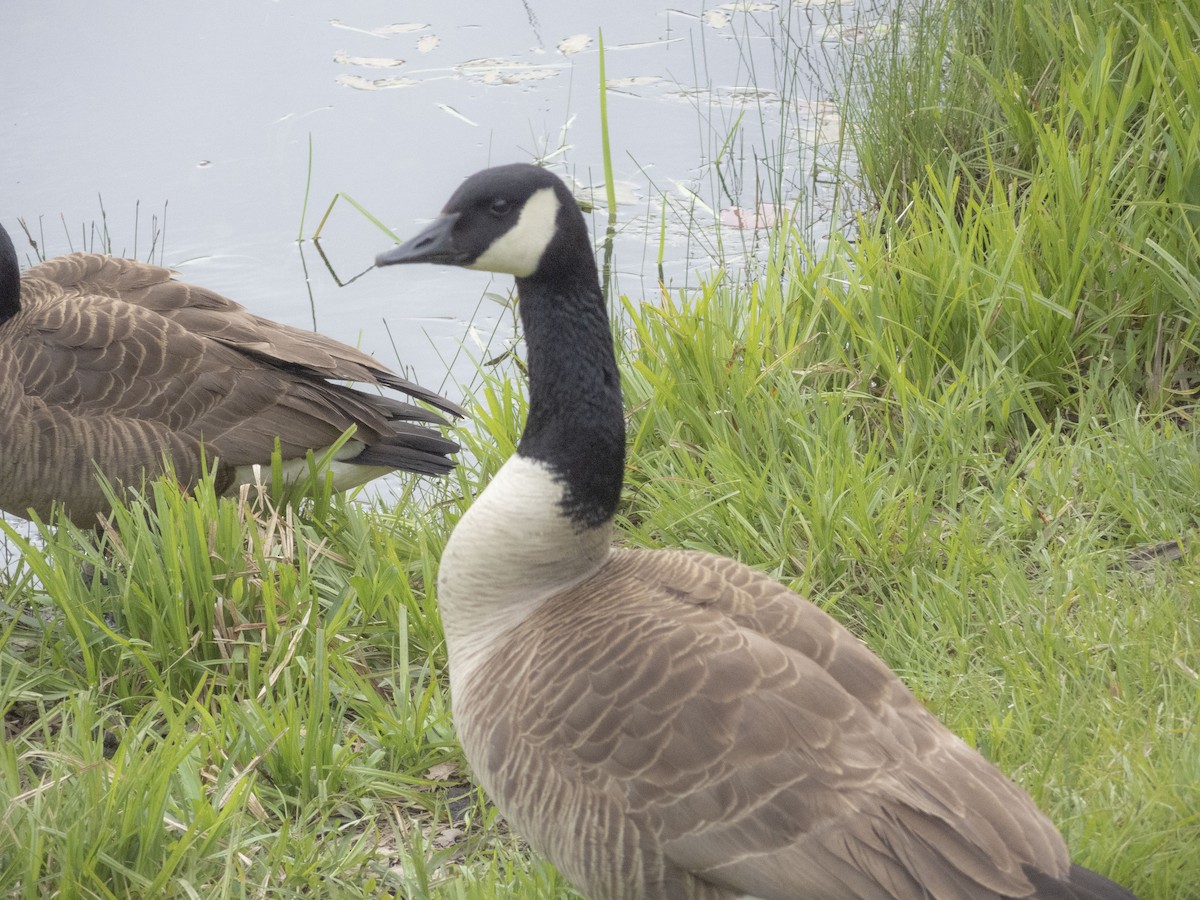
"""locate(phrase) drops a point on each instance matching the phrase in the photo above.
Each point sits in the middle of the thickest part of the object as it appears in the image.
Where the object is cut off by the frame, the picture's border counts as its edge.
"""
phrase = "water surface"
(196, 120)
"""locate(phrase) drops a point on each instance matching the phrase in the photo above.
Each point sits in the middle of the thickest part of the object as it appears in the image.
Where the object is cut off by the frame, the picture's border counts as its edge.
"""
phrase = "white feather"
(345, 475)
(511, 550)
(519, 250)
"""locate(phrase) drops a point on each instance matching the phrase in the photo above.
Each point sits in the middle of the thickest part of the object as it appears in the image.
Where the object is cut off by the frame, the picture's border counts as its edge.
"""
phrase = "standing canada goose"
(108, 364)
(671, 724)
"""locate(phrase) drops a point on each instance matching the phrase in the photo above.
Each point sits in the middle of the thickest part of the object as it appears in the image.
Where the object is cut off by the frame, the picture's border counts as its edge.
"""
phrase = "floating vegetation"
(504, 71)
(370, 62)
(359, 83)
(574, 44)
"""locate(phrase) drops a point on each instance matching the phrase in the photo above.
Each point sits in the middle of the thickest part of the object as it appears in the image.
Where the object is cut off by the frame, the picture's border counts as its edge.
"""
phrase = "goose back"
(680, 725)
(107, 364)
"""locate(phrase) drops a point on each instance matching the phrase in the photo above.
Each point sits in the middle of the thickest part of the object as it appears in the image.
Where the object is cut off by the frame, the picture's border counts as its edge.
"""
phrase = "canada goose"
(671, 724)
(108, 364)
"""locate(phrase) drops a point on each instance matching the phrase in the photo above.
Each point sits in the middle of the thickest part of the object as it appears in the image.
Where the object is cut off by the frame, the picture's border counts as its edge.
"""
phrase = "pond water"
(204, 125)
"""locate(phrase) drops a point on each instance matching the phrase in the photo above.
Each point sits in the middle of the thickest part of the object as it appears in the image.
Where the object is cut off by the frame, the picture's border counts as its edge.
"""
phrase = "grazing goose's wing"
(94, 376)
(203, 313)
(747, 735)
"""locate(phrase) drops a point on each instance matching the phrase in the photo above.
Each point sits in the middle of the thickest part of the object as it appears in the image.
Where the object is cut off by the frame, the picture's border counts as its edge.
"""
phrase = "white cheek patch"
(519, 250)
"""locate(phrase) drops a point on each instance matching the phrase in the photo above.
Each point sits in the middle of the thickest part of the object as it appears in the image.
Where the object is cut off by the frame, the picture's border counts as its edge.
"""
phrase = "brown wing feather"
(741, 742)
(204, 313)
(111, 363)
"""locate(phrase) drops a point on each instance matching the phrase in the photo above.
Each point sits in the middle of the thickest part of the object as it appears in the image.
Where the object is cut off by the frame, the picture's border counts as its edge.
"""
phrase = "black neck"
(576, 423)
(10, 278)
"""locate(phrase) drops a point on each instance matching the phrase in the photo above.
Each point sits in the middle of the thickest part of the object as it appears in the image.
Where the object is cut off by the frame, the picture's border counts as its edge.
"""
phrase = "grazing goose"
(671, 724)
(106, 364)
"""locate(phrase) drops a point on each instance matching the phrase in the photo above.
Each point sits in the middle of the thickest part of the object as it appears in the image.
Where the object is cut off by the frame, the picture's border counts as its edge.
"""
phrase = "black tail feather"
(1080, 884)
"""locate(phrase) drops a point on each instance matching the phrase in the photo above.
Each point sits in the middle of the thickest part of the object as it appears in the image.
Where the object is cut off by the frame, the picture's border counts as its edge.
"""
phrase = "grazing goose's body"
(671, 724)
(108, 364)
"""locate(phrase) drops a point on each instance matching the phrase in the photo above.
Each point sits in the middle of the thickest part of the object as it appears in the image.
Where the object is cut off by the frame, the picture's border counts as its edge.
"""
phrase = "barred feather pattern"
(110, 364)
(679, 725)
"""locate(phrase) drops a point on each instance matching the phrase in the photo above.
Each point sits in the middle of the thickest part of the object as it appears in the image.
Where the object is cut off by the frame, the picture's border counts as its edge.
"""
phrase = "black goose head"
(522, 220)
(10, 278)
(517, 219)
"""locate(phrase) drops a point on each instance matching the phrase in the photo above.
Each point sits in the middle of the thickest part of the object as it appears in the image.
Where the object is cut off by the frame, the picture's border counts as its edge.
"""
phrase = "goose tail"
(1080, 884)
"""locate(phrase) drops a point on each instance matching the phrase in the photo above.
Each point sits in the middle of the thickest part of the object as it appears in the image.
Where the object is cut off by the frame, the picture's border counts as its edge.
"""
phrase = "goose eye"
(500, 208)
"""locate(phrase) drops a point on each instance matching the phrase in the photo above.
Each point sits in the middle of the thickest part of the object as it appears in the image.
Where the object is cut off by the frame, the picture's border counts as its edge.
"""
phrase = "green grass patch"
(1049, 152)
(248, 698)
(995, 565)
(968, 434)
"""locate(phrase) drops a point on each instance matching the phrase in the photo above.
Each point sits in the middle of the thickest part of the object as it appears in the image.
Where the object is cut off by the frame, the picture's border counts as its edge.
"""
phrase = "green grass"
(1038, 162)
(990, 566)
(956, 434)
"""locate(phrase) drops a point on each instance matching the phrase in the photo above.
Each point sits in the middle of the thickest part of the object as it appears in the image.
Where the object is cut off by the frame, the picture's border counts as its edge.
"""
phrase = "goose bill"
(435, 244)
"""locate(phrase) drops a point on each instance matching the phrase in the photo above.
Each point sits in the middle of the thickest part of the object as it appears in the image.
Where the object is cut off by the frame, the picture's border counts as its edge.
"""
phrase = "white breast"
(511, 551)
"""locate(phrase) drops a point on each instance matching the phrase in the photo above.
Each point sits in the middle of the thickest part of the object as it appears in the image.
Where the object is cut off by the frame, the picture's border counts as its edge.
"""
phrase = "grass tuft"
(968, 434)
(1049, 151)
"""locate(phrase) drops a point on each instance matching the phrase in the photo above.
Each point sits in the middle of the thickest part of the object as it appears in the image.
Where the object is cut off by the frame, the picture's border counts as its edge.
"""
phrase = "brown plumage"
(106, 364)
(680, 725)
(671, 724)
